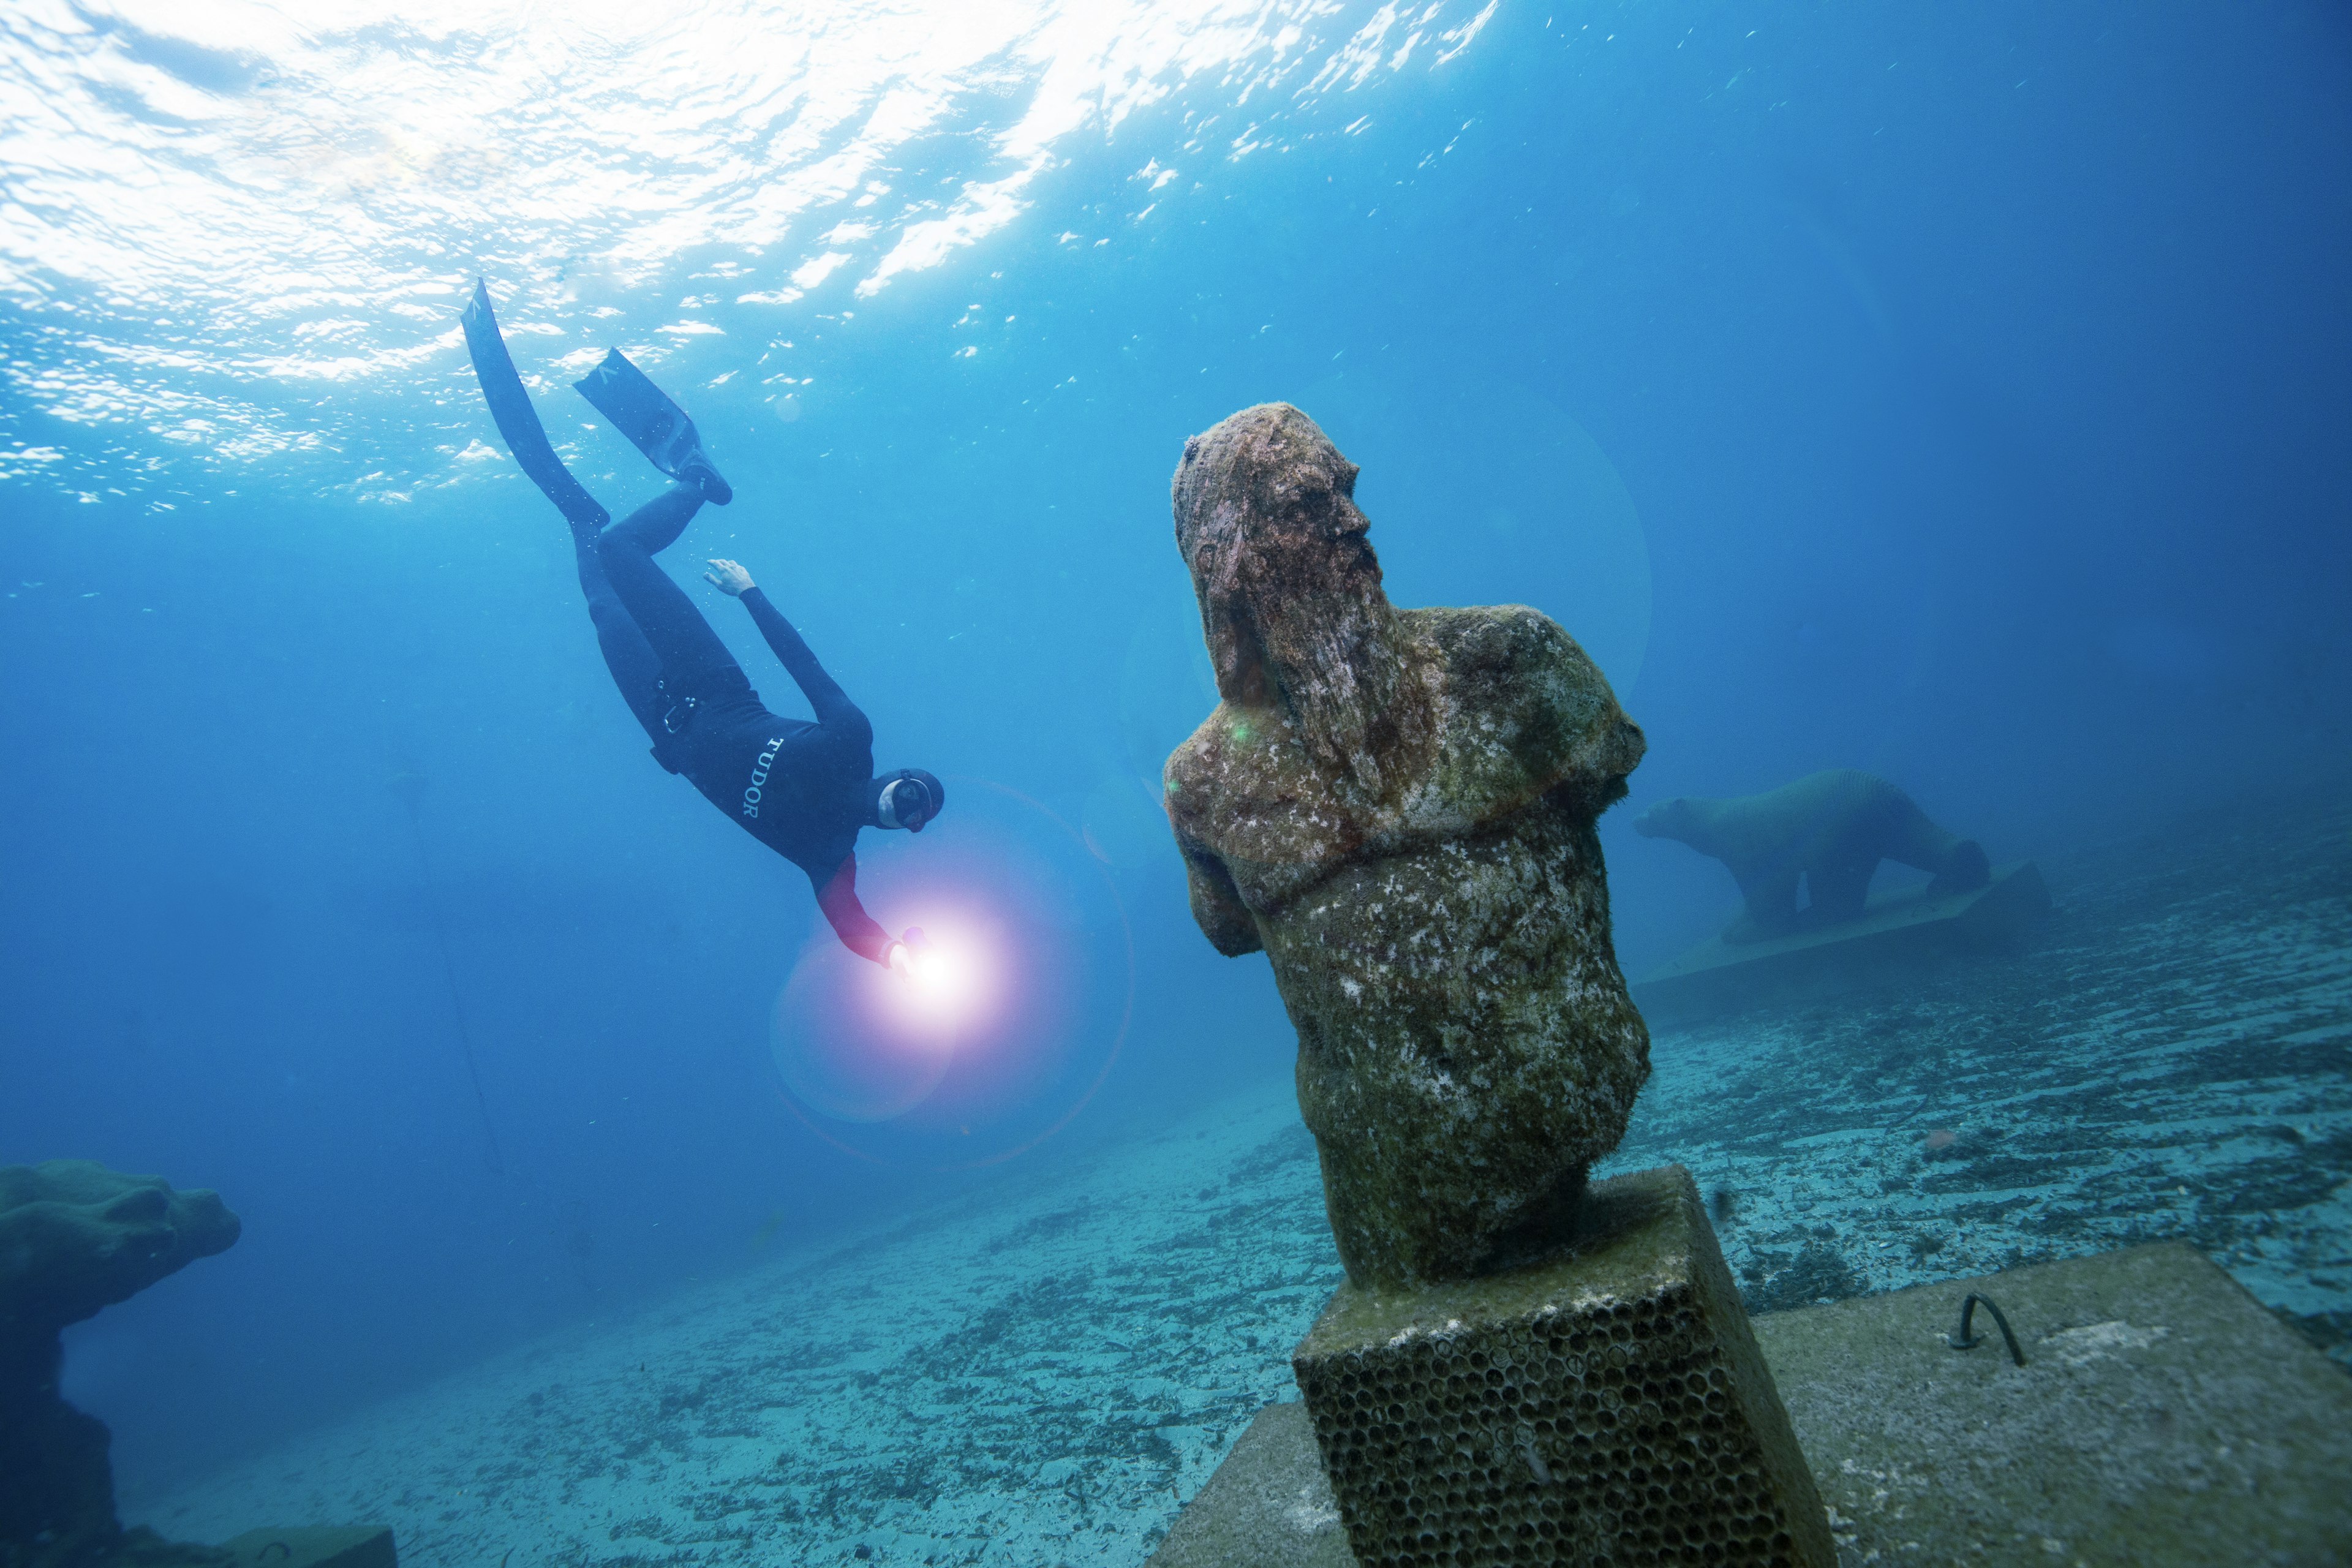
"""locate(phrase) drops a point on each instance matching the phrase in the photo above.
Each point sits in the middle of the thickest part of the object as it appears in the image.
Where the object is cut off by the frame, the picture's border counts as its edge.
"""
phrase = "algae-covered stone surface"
(1399, 807)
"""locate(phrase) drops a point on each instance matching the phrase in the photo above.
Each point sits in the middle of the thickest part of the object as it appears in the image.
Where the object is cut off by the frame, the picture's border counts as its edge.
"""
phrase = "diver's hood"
(912, 808)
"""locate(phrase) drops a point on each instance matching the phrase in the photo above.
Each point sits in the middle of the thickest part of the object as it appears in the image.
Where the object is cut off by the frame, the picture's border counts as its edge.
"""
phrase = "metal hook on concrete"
(1965, 1340)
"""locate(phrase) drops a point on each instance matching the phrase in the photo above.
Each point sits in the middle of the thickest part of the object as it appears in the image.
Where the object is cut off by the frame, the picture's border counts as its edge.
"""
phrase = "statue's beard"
(1326, 660)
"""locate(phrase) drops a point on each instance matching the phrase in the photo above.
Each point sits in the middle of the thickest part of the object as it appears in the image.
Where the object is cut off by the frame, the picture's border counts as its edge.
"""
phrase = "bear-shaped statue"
(1399, 807)
(1830, 829)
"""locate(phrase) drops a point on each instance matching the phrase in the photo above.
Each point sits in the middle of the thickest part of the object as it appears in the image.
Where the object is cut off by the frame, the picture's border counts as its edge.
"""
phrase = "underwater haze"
(1957, 394)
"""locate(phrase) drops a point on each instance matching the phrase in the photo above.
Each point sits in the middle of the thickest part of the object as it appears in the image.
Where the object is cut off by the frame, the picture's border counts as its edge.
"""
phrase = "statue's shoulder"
(1193, 765)
(1493, 642)
(1234, 760)
(1242, 789)
(1510, 656)
(1516, 694)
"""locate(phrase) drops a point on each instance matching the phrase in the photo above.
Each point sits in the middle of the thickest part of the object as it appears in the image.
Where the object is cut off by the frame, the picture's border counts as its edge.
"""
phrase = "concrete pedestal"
(2163, 1419)
(1608, 1406)
(1268, 1506)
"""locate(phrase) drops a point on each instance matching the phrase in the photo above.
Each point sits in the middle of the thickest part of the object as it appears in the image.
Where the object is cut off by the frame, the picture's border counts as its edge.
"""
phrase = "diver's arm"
(832, 704)
(859, 932)
(832, 707)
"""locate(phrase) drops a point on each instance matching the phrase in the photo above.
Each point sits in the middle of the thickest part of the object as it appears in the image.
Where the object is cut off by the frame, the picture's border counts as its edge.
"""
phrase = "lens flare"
(839, 1070)
(1010, 1003)
(951, 990)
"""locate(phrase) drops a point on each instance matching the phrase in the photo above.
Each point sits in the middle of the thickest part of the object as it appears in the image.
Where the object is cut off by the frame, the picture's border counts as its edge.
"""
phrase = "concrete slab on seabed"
(315, 1546)
(1898, 935)
(2163, 1417)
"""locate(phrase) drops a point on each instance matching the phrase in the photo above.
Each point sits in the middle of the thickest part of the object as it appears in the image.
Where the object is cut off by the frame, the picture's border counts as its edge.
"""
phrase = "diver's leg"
(655, 525)
(635, 668)
(689, 652)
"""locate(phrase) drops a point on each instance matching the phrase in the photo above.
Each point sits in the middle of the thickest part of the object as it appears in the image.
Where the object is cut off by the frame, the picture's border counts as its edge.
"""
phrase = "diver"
(803, 789)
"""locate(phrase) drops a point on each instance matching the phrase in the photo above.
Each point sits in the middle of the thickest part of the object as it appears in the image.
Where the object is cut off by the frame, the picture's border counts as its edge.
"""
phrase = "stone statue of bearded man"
(1399, 807)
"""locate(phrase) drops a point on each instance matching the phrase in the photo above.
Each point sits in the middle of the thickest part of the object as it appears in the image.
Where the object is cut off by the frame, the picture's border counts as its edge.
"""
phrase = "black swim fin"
(656, 426)
(517, 423)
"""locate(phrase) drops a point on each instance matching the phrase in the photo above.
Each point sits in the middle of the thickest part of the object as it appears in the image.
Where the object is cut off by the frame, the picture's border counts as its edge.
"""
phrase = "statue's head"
(1289, 588)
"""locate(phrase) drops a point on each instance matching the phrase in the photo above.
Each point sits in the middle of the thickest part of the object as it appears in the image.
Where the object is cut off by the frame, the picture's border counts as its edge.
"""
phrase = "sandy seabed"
(1043, 1374)
(1038, 1376)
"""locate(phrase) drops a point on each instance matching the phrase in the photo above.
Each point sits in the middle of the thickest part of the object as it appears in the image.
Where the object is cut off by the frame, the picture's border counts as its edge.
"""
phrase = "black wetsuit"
(800, 788)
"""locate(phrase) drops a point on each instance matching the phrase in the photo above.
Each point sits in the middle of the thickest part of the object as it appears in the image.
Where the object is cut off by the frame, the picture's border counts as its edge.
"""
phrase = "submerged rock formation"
(76, 1238)
(1399, 807)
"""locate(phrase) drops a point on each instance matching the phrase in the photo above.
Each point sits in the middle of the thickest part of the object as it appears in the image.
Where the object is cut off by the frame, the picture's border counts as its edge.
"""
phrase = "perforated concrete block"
(1606, 1407)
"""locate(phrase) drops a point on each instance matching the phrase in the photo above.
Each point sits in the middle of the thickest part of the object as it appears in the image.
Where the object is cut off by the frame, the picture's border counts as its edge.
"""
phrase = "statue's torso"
(1464, 1039)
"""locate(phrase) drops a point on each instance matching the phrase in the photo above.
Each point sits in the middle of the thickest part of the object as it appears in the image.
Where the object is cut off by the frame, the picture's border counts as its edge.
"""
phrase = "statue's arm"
(1217, 904)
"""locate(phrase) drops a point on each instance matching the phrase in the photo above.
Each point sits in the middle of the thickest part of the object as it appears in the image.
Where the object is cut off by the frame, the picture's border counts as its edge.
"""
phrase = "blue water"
(1960, 393)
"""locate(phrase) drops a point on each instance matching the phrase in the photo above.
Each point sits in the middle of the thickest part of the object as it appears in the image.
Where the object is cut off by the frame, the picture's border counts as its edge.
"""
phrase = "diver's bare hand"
(730, 578)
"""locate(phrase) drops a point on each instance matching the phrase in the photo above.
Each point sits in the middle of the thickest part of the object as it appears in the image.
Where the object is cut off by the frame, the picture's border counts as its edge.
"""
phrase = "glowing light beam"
(1014, 1006)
